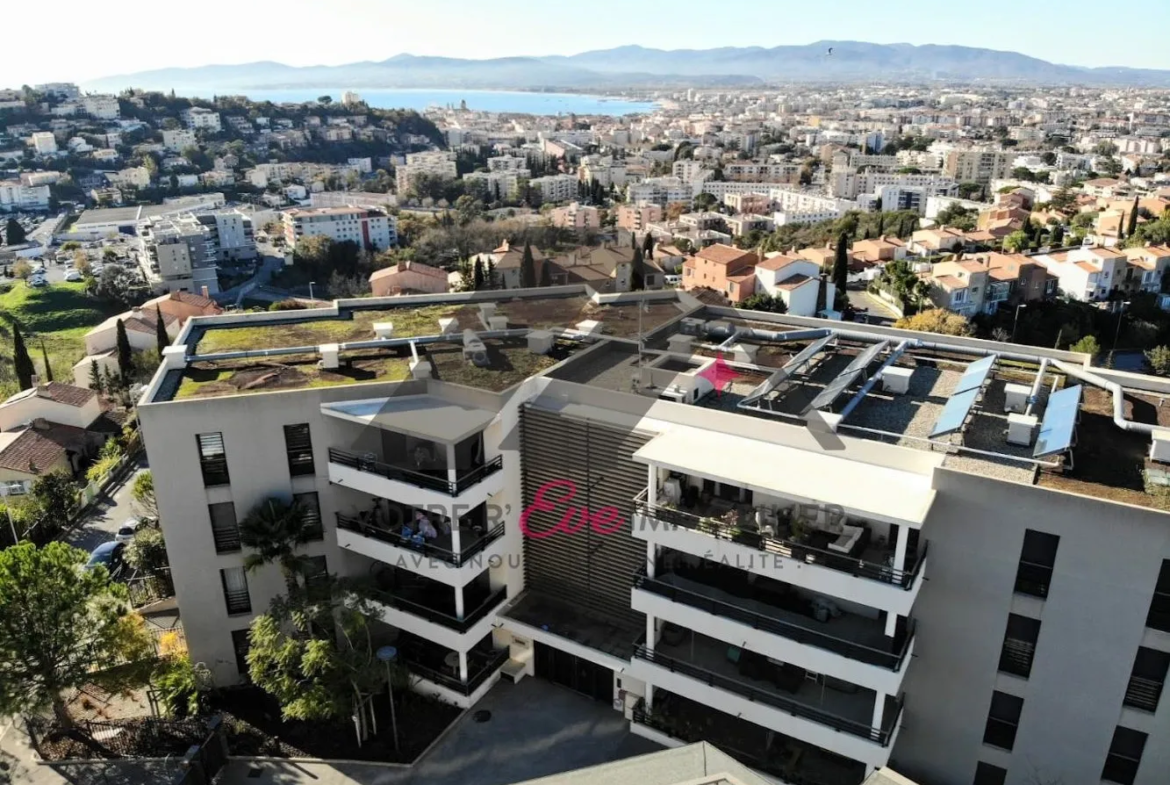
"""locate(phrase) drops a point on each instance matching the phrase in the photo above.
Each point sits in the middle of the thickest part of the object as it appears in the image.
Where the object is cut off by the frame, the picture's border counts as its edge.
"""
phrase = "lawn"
(60, 315)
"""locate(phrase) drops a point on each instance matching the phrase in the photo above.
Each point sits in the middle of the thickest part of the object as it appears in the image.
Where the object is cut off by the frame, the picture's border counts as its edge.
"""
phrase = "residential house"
(604, 268)
(507, 260)
(636, 217)
(1029, 281)
(1086, 274)
(1148, 266)
(183, 305)
(141, 331)
(728, 270)
(576, 216)
(960, 286)
(794, 280)
(928, 242)
(408, 278)
(879, 251)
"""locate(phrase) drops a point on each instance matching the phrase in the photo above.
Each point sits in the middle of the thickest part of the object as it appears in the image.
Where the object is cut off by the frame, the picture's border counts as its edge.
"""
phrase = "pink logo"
(719, 373)
(606, 520)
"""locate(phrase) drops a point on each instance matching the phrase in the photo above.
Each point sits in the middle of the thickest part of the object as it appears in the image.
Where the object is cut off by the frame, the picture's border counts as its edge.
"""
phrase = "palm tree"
(274, 529)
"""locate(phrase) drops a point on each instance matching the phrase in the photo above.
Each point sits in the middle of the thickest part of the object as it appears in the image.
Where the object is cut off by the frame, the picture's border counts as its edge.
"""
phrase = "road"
(871, 308)
(102, 520)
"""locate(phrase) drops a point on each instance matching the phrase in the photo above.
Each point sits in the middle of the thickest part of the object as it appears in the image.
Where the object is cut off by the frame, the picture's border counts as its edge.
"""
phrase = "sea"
(479, 100)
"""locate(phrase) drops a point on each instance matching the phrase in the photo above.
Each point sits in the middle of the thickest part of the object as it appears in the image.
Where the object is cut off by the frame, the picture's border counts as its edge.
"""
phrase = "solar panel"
(846, 377)
(1060, 422)
(808, 352)
(954, 414)
(975, 375)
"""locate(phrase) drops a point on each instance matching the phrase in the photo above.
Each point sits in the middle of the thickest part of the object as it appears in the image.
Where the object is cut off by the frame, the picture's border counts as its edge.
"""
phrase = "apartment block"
(180, 254)
(432, 164)
(178, 139)
(848, 183)
(576, 216)
(978, 166)
(555, 187)
(366, 227)
(44, 143)
(103, 107)
(199, 119)
(620, 494)
(499, 185)
(637, 217)
(15, 195)
(660, 191)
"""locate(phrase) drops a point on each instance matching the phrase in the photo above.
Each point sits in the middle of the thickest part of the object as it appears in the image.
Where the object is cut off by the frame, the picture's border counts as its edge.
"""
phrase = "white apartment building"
(44, 143)
(660, 191)
(1087, 274)
(507, 163)
(369, 199)
(688, 170)
(637, 217)
(434, 164)
(179, 139)
(103, 107)
(978, 166)
(803, 207)
(829, 601)
(849, 183)
(138, 177)
(179, 254)
(501, 184)
(350, 98)
(555, 187)
(753, 172)
(604, 170)
(576, 216)
(64, 90)
(15, 195)
(366, 227)
(199, 119)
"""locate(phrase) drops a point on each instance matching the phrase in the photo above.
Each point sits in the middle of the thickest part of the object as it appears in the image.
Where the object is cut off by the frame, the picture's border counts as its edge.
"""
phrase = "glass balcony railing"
(431, 482)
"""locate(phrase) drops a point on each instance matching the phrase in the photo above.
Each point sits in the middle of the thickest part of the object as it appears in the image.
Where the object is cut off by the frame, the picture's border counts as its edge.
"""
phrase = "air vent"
(474, 349)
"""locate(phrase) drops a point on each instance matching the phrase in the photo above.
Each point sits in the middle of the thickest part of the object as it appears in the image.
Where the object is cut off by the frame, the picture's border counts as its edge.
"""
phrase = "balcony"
(430, 480)
(821, 558)
(810, 707)
(410, 600)
(421, 488)
(473, 540)
(789, 759)
(776, 620)
(429, 663)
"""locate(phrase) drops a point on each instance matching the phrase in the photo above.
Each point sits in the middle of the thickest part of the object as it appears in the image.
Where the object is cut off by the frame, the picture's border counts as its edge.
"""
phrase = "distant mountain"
(636, 66)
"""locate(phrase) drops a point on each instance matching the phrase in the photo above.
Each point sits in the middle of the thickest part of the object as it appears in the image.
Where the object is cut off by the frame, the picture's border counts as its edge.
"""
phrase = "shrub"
(182, 688)
(287, 305)
(147, 550)
(1159, 359)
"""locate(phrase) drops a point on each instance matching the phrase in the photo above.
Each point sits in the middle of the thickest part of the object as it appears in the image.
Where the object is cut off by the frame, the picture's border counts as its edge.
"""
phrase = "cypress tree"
(648, 246)
(95, 377)
(637, 275)
(21, 362)
(490, 275)
(477, 274)
(1121, 227)
(545, 273)
(528, 268)
(1133, 216)
(45, 360)
(125, 358)
(160, 331)
(841, 265)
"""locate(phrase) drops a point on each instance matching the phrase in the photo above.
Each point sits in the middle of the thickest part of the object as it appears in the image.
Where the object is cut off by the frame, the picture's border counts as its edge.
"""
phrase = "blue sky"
(84, 43)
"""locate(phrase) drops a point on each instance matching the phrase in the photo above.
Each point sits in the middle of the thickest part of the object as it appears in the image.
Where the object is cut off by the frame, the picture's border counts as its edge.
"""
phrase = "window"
(235, 590)
(212, 459)
(986, 774)
(1159, 615)
(1125, 755)
(299, 448)
(1147, 679)
(1036, 562)
(224, 529)
(1003, 720)
(1019, 645)
(311, 505)
(240, 645)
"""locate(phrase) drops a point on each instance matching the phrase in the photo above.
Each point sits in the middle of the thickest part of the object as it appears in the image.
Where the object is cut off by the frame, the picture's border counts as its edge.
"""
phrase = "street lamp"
(1016, 320)
(1117, 332)
(388, 654)
(311, 290)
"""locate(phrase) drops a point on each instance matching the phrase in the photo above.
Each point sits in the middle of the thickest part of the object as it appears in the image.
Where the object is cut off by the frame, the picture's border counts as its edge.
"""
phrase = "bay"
(480, 100)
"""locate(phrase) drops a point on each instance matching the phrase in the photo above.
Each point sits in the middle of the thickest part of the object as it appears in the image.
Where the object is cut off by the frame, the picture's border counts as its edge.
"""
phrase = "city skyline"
(448, 28)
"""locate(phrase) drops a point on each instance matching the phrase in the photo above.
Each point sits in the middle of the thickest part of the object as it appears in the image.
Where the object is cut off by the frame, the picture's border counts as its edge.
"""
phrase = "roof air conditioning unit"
(896, 379)
(487, 311)
(1015, 397)
(540, 341)
(1021, 429)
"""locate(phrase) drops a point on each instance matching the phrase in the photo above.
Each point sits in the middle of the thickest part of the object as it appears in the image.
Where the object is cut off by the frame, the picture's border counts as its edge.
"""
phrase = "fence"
(151, 587)
(204, 761)
(140, 737)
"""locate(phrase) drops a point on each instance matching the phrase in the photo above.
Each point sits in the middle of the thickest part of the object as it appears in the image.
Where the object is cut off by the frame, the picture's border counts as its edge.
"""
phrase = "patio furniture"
(848, 539)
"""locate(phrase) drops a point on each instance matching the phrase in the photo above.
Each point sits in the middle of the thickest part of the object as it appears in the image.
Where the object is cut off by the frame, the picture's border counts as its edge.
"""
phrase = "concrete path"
(536, 729)
(101, 521)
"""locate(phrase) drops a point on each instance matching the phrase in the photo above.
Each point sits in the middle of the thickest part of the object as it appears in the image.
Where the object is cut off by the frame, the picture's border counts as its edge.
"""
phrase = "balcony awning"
(423, 416)
(865, 490)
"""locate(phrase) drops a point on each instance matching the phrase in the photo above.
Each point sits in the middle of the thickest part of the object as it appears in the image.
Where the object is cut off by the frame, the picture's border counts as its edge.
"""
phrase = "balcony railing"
(776, 701)
(415, 543)
(1033, 579)
(474, 681)
(442, 617)
(400, 474)
(1142, 693)
(781, 546)
(777, 626)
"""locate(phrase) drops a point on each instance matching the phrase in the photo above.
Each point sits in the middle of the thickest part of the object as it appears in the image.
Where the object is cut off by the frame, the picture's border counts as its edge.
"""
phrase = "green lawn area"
(60, 315)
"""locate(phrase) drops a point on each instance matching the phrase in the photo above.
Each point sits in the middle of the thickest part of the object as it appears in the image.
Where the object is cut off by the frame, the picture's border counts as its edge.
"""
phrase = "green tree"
(147, 551)
(527, 268)
(545, 274)
(648, 246)
(841, 265)
(160, 332)
(61, 626)
(477, 275)
(313, 653)
(52, 500)
(95, 377)
(1131, 229)
(142, 493)
(637, 273)
(125, 356)
(22, 364)
(1088, 345)
(14, 233)
(46, 363)
(1159, 359)
(765, 302)
(274, 530)
(1017, 241)
(1057, 239)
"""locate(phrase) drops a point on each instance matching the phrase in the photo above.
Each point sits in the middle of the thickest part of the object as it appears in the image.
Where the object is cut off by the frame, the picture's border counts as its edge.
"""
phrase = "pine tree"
(528, 268)
(125, 357)
(477, 274)
(95, 377)
(841, 265)
(22, 364)
(160, 332)
(45, 360)
(648, 246)
(1133, 216)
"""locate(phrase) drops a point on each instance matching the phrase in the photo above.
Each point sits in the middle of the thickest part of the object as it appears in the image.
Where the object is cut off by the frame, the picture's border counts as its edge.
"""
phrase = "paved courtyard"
(536, 729)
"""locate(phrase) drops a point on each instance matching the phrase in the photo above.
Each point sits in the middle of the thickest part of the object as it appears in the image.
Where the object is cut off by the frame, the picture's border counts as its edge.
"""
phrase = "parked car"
(38, 281)
(74, 276)
(127, 529)
(109, 555)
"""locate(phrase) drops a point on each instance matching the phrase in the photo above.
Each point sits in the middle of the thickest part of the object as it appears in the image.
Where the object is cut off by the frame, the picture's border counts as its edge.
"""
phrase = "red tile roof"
(41, 447)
